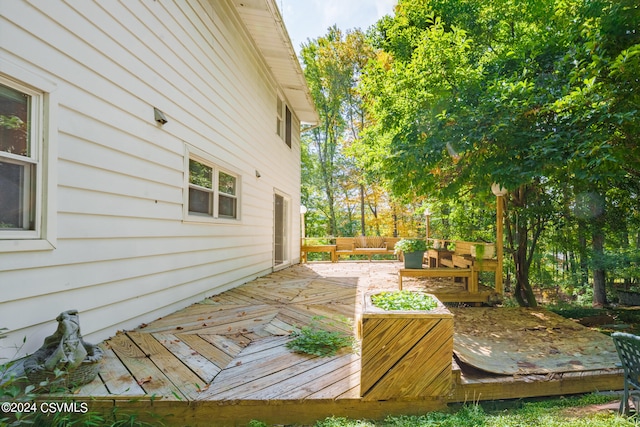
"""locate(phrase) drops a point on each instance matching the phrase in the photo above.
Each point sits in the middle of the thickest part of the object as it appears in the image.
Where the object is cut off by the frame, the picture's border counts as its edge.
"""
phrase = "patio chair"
(628, 347)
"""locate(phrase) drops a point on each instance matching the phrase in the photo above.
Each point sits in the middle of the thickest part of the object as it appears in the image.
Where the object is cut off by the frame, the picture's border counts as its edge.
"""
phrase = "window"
(287, 129)
(19, 160)
(284, 121)
(212, 192)
(28, 168)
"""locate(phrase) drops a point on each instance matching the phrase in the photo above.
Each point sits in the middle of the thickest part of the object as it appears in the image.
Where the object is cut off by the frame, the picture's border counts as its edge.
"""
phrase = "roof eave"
(265, 25)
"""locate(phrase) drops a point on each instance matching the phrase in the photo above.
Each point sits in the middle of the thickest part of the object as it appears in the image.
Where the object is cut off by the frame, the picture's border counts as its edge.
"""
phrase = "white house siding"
(123, 253)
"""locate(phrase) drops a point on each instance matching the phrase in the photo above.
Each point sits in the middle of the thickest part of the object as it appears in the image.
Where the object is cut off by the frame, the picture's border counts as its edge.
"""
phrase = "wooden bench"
(465, 273)
(331, 249)
(365, 245)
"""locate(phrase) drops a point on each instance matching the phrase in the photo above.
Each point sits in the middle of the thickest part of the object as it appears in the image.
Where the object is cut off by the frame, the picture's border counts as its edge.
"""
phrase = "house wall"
(123, 252)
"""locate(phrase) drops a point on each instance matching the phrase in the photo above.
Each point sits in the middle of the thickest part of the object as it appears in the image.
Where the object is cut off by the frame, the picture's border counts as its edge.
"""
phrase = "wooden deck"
(223, 361)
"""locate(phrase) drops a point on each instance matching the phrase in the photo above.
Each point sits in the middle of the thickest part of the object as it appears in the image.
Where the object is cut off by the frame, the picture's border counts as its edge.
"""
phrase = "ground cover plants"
(315, 340)
(404, 300)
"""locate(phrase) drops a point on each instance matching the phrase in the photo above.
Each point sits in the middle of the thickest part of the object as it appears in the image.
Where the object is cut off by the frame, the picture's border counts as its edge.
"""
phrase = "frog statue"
(65, 351)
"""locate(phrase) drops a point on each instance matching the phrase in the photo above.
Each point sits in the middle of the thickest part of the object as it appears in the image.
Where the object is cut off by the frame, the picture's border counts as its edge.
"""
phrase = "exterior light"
(303, 209)
(498, 190)
(159, 116)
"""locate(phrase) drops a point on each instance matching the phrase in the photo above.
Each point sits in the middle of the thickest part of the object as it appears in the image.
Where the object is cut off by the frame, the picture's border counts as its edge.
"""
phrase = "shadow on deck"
(223, 361)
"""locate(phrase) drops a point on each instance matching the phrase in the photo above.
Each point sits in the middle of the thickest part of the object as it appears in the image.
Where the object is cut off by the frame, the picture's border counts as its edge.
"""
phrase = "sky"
(309, 19)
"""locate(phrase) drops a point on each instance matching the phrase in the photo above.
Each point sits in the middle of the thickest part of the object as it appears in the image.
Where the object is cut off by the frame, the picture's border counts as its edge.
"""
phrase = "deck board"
(182, 378)
(200, 365)
(153, 381)
(117, 379)
(225, 358)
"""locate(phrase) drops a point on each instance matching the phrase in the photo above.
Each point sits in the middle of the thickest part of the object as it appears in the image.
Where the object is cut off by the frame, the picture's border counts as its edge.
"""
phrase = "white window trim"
(45, 235)
(280, 104)
(218, 166)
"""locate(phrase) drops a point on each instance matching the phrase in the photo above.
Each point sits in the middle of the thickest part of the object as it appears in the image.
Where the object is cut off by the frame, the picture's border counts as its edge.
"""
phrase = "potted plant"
(398, 329)
(412, 250)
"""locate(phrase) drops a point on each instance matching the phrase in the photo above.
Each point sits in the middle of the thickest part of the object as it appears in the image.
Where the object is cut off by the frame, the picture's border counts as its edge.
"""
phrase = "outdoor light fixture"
(498, 189)
(258, 174)
(159, 116)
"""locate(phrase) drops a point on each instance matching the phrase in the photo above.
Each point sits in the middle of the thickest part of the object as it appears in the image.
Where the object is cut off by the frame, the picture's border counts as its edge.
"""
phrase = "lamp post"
(499, 192)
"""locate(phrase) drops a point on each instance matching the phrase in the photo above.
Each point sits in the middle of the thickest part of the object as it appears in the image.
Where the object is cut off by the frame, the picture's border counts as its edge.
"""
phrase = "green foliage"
(539, 96)
(315, 340)
(16, 388)
(404, 300)
(410, 245)
(553, 412)
(200, 174)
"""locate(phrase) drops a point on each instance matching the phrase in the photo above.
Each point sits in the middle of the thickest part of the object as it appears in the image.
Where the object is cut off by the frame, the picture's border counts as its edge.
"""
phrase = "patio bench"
(365, 245)
(306, 249)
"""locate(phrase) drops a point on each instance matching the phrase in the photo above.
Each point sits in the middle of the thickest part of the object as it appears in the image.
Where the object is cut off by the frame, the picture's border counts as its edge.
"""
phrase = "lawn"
(582, 411)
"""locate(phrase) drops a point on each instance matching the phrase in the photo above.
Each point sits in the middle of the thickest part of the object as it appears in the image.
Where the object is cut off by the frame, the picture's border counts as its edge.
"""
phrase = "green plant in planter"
(404, 300)
(411, 245)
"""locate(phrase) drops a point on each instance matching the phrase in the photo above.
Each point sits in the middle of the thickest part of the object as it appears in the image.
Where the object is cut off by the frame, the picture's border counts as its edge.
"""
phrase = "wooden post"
(500, 192)
(499, 240)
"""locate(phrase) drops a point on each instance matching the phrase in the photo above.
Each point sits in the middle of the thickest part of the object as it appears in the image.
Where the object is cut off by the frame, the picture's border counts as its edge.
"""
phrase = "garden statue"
(65, 354)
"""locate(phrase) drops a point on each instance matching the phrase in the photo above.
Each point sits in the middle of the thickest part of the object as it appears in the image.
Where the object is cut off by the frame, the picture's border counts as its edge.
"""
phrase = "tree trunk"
(582, 251)
(523, 291)
(522, 237)
(599, 277)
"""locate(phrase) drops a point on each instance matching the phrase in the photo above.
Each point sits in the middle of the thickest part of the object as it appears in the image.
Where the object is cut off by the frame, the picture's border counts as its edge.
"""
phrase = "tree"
(333, 65)
(528, 95)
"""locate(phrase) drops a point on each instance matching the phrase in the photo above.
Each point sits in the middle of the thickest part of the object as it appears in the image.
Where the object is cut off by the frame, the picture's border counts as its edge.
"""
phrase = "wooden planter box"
(405, 354)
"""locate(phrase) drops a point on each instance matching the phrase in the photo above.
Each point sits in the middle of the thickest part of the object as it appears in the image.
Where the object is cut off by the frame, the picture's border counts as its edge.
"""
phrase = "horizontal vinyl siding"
(124, 255)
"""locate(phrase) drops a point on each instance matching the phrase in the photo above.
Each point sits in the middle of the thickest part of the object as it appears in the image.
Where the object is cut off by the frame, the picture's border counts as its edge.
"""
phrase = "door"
(281, 230)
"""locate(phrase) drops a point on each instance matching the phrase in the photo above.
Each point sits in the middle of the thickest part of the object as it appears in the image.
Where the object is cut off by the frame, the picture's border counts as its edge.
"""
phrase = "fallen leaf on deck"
(144, 380)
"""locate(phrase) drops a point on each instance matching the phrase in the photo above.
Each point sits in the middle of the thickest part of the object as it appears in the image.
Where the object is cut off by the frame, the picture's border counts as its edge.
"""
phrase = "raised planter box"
(405, 354)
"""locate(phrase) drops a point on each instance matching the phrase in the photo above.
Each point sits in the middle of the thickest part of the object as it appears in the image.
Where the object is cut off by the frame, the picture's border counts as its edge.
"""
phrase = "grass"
(559, 412)
(624, 319)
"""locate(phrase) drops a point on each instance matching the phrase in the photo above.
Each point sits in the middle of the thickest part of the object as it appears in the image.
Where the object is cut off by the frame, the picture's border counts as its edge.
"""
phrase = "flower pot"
(405, 354)
(413, 259)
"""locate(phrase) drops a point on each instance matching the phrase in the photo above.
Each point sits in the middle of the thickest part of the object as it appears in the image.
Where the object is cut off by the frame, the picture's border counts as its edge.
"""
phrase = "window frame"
(280, 116)
(284, 120)
(217, 167)
(42, 156)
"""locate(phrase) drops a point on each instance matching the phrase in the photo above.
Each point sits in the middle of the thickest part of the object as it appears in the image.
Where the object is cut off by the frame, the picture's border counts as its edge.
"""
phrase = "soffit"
(265, 25)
